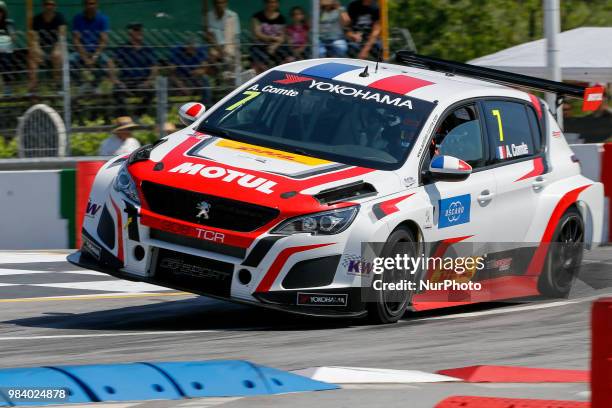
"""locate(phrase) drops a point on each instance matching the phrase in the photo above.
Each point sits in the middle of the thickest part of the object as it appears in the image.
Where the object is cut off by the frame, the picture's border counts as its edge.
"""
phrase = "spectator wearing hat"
(47, 27)
(90, 35)
(136, 64)
(121, 141)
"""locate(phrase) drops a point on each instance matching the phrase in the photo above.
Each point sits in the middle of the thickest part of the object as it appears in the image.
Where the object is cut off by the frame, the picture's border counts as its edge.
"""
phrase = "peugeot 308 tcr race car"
(268, 197)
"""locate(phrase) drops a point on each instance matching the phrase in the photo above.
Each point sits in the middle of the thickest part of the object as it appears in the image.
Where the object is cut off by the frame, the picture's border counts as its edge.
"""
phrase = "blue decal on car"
(454, 211)
(329, 70)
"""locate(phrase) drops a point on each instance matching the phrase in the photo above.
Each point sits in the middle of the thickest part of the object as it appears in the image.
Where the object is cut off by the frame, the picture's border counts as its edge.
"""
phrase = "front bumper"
(276, 300)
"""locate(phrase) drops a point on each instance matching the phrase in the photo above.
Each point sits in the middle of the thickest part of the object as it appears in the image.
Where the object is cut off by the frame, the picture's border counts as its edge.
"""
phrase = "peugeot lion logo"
(204, 209)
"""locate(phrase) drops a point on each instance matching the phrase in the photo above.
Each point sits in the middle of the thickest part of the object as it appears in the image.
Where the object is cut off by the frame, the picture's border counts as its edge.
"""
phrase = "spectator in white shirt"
(224, 29)
(121, 141)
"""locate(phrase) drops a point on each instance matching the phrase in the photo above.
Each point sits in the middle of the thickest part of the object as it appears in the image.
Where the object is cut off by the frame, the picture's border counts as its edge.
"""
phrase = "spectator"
(332, 23)
(297, 32)
(7, 39)
(224, 29)
(269, 31)
(365, 28)
(47, 27)
(121, 141)
(190, 68)
(90, 34)
(137, 68)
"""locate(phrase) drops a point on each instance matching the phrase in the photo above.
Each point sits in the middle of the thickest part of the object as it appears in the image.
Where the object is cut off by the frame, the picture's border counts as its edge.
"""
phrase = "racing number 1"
(496, 113)
(250, 95)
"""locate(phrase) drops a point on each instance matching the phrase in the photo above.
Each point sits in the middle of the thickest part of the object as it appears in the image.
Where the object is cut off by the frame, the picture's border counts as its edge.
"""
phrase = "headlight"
(323, 223)
(124, 184)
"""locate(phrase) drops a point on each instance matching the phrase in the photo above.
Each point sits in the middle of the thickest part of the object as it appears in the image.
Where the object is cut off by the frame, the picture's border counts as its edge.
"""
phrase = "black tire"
(564, 256)
(390, 307)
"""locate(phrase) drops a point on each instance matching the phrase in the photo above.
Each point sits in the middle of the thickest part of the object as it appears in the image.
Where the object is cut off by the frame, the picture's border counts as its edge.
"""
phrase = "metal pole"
(161, 84)
(66, 91)
(384, 26)
(552, 24)
(316, 13)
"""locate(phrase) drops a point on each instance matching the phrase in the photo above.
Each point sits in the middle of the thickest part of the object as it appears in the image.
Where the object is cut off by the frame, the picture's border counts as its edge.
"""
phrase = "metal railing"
(147, 82)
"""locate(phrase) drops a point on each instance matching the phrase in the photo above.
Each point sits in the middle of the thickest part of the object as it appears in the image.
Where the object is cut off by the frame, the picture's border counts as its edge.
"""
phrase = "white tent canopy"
(585, 55)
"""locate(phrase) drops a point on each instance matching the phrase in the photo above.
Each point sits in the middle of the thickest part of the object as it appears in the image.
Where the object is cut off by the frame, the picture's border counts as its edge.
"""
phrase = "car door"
(515, 146)
(463, 210)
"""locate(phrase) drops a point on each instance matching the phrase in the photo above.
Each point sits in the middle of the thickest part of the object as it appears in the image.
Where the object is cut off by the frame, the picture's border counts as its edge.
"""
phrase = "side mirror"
(190, 112)
(449, 168)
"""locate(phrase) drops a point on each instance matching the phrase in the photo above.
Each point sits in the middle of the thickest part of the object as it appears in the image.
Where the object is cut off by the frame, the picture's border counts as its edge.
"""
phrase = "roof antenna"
(378, 60)
(365, 73)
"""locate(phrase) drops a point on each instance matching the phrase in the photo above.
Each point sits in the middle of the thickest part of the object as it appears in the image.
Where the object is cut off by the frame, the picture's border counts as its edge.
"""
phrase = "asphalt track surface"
(53, 313)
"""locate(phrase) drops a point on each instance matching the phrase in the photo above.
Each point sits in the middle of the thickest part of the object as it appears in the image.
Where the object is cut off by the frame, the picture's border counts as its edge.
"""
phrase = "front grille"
(223, 213)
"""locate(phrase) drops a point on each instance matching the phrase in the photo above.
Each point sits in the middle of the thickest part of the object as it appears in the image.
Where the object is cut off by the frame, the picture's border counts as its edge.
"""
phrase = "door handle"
(538, 183)
(485, 197)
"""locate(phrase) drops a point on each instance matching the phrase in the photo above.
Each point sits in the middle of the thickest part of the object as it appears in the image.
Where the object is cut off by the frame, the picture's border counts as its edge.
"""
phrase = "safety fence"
(144, 74)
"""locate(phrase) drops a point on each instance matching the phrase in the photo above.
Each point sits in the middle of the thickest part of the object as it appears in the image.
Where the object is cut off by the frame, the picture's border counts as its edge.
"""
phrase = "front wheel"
(564, 256)
(390, 305)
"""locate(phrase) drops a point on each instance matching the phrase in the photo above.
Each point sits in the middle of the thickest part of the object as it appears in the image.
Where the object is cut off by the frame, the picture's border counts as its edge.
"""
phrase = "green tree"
(466, 29)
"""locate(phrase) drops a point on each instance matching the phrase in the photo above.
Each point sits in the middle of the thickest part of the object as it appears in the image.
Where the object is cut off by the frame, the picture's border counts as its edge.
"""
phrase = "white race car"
(269, 197)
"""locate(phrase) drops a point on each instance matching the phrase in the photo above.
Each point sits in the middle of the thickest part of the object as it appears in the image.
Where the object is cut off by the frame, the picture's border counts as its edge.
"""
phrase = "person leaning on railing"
(47, 27)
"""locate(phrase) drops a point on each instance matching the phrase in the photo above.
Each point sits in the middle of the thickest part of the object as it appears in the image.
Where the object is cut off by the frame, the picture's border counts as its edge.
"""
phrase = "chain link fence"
(145, 75)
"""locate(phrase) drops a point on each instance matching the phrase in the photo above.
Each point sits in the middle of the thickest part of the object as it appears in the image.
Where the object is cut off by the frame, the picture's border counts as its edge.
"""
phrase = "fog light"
(139, 253)
(244, 276)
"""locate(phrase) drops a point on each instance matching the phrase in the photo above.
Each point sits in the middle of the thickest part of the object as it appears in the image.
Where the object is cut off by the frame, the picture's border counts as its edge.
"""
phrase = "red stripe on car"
(279, 262)
(536, 104)
(119, 232)
(538, 169)
(400, 84)
(537, 262)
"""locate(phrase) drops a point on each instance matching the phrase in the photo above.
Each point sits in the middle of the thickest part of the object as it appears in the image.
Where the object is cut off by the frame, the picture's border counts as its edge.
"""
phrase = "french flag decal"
(449, 163)
(502, 153)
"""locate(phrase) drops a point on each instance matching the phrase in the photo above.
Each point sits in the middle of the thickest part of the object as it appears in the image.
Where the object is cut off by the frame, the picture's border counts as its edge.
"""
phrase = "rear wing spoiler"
(592, 96)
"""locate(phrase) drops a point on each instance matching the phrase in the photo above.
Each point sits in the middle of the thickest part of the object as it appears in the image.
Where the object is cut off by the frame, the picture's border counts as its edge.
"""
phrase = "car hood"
(292, 183)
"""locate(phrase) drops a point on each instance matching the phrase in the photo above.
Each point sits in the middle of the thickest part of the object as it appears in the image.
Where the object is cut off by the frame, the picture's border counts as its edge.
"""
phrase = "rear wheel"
(390, 305)
(564, 256)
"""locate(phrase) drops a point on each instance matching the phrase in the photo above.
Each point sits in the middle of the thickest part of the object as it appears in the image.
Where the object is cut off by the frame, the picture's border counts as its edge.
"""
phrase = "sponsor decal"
(448, 270)
(278, 91)
(556, 133)
(321, 299)
(92, 208)
(180, 267)
(200, 233)
(360, 93)
(227, 175)
(509, 151)
(204, 210)
(292, 79)
(91, 248)
(409, 181)
(454, 211)
(500, 264)
(270, 153)
(356, 265)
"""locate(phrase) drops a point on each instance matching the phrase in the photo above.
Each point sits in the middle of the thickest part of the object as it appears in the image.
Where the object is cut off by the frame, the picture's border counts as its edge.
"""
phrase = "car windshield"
(319, 117)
